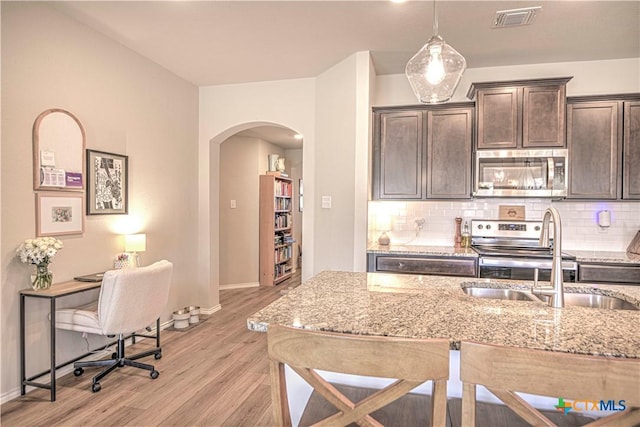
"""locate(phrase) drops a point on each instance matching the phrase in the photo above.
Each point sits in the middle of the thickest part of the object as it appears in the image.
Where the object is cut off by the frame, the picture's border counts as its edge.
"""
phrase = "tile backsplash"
(580, 229)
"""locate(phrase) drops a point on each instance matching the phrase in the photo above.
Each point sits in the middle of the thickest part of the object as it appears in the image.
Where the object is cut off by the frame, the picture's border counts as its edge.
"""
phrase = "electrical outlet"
(419, 224)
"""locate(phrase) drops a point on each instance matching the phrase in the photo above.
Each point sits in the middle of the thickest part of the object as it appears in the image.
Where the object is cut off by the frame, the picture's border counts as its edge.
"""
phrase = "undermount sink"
(495, 293)
(570, 298)
(594, 301)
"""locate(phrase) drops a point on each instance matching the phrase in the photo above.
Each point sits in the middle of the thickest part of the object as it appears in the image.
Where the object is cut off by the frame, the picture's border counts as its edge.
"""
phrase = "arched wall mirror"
(58, 152)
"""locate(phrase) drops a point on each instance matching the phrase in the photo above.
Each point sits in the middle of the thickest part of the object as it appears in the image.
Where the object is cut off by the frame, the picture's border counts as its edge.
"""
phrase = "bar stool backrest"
(410, 361)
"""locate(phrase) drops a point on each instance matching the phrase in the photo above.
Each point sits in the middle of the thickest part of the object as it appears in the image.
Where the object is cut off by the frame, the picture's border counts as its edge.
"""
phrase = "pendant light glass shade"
(435, 71)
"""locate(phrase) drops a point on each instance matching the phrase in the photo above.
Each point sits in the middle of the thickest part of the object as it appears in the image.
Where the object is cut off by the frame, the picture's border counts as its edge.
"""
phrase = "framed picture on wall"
(107, 183)
(59, 214)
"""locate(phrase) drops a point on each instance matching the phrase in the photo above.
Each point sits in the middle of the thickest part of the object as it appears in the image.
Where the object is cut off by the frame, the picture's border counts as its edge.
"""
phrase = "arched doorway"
(243, 157)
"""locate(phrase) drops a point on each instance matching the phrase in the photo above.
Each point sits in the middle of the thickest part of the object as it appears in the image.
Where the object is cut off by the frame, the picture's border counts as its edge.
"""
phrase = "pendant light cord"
(435, 19)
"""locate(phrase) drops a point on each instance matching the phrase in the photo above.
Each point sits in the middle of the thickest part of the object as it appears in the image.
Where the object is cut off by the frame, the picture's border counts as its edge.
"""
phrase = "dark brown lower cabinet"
(421, 264)
(609, 273)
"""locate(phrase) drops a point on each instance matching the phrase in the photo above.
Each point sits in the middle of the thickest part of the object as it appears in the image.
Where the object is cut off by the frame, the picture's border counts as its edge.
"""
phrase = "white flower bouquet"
(40, 252)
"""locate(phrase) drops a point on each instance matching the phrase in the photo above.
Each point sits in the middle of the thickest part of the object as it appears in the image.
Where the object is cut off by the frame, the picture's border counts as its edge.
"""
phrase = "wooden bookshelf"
(276, 229)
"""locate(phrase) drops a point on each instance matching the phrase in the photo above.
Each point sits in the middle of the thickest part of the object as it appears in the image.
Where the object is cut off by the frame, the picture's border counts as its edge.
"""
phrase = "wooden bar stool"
(572, 377)
(410, 361)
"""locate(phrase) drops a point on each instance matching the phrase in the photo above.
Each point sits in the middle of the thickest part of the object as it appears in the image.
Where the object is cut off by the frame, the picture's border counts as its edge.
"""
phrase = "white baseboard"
(210, 310)
(239, 286)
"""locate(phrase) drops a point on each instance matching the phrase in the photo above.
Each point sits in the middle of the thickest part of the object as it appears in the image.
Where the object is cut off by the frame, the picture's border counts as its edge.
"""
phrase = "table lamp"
(134, 243)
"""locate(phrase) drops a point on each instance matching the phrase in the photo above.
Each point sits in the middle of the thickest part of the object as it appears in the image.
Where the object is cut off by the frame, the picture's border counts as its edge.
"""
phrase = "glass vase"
(43, 277)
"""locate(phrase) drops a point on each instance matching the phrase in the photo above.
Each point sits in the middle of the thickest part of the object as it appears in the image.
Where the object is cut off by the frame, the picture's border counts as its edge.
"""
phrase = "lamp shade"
(135, 242)
(435, 71)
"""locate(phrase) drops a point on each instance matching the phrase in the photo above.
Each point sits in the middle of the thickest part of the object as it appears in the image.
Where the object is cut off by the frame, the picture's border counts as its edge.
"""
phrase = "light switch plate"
(233, 204)
(326, 202)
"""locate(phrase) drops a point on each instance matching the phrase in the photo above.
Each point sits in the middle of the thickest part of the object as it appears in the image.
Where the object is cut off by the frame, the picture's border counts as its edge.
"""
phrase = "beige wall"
(242, 161)
(128, 105)
(228, 109)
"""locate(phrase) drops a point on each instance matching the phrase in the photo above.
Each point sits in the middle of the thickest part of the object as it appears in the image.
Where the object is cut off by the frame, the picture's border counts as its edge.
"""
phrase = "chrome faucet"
(556, 291)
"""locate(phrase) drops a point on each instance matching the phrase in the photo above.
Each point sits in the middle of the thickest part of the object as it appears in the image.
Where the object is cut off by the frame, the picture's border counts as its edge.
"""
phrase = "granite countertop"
(606, 257)
(436, 307)
(421, 250)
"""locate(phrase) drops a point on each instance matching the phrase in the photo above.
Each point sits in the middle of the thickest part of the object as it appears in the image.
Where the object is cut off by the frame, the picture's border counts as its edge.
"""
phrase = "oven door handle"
(523, 263)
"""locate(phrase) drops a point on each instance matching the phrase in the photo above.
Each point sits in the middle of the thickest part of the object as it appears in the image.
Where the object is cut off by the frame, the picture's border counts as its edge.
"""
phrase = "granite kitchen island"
(437, 307)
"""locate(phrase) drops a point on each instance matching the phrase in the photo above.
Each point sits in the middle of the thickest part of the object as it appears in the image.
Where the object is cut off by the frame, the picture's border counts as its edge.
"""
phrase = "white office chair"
(130, 300)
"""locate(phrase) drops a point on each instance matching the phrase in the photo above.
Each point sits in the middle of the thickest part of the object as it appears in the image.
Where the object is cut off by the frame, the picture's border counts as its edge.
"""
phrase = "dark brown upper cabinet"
(422, 152)
(520, 113)
(603, 137)
(592, 137)
(398, 155)
(449, 147)
(631, 151)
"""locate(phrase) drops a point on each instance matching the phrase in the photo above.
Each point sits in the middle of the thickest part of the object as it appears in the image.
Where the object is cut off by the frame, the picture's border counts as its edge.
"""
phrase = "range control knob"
(480, 227)
(488, 226)
(537, 228)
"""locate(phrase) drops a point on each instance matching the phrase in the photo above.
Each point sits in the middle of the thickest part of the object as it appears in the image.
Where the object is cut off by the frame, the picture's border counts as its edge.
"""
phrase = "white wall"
(589, 78)
(128, 105)
(335, 157)
(579, 221)
(335, 171)
(341, 159)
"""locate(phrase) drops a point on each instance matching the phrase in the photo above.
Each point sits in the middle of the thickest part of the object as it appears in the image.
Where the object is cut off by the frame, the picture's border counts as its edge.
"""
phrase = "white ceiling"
(225, 42)
(279, 136)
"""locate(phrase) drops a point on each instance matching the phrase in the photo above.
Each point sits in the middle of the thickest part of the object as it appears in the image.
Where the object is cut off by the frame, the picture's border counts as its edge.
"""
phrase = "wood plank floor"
(215, 374)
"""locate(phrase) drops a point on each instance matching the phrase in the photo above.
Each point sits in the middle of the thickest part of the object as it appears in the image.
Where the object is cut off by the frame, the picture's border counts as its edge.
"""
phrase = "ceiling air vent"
(516, 17)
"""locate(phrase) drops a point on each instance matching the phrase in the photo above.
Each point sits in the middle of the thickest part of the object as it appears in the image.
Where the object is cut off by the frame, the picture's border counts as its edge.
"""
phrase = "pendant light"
(435, 71)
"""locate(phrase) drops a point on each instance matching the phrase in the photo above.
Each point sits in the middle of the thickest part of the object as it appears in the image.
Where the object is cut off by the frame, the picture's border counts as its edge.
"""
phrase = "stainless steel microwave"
(521, 173)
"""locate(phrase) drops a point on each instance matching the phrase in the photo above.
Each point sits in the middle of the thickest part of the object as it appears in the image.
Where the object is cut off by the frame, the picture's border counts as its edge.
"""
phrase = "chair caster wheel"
(96, 387)
(78, 371)
(114, 356)
(157, 356)
(154, 374)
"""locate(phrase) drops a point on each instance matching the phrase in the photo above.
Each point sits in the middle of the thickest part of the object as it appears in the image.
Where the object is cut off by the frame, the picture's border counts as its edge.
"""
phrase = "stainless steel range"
(510, 250)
